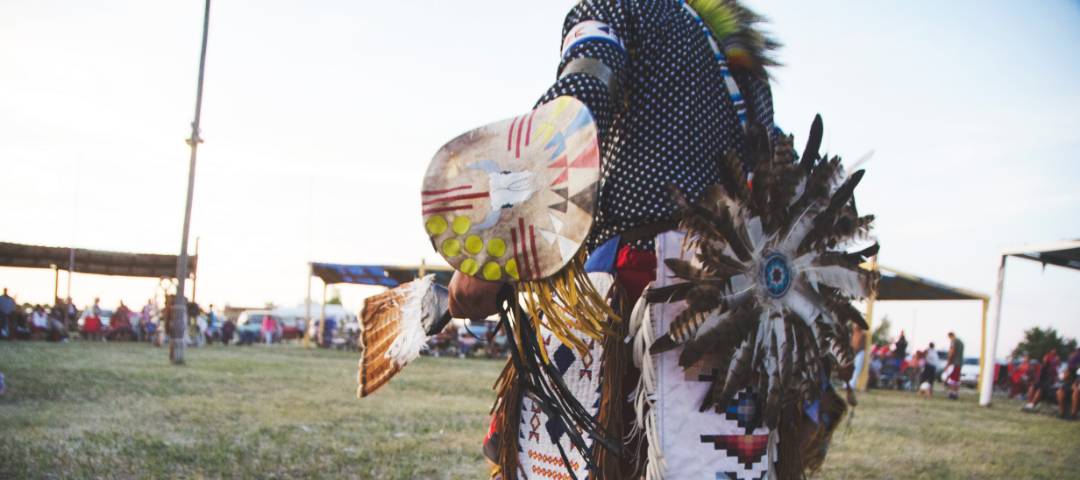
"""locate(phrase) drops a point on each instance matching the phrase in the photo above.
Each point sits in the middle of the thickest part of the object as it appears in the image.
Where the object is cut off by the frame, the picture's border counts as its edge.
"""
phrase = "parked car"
(249, 327)
(291, 328)
(969, 372)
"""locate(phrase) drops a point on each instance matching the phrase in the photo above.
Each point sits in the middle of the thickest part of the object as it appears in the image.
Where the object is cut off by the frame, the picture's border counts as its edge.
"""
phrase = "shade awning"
(100, 262)
(897, 285)
(1063, 254)
(378, 275)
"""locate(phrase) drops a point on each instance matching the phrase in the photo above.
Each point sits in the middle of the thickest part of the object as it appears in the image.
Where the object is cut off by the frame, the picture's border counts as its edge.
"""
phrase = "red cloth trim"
(634, 269)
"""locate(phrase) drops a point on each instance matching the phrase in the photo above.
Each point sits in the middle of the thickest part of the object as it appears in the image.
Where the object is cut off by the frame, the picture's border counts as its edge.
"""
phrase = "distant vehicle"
(249, 327)
(969, 373)
(291, 328)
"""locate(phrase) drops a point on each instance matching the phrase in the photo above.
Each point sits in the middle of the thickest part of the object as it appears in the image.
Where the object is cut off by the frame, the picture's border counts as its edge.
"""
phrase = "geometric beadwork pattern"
(720, 443)
(538, 455)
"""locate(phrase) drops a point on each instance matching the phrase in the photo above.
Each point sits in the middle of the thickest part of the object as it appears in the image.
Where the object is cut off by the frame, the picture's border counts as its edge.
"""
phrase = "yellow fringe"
(566, 301)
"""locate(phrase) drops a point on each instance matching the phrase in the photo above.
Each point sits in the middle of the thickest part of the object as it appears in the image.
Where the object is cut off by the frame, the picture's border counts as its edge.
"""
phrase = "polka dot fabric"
(671, 119)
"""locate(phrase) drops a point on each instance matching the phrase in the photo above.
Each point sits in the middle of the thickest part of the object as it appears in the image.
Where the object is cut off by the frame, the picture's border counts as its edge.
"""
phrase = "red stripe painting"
(528, 129)
(448, 190)
(517, 257)
(450, 208)
(466, 196)
(510, 135)
(521, 125)
(524, 249)
(532, 241)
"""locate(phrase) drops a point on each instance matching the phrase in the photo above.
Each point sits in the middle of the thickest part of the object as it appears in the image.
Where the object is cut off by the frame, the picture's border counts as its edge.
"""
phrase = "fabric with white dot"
(672, 118)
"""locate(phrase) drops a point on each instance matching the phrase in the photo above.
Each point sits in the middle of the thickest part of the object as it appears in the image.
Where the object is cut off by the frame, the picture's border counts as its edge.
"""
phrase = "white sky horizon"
(320, 117)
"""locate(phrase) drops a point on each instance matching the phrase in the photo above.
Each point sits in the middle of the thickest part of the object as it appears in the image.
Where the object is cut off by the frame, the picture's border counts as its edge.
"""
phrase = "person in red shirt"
(269, 328)
(1019, 376)
(120, 324)
(92, 326)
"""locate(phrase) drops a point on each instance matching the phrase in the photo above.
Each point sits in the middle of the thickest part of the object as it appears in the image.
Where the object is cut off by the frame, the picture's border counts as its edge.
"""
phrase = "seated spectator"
(227, 331)
(92, 327)
(71, 317)
(120, 324)
(445, 341)
(39, 321)
(57, 326)
(1046, 379)
(1020, 376)
(1070, 385)
(20, 324)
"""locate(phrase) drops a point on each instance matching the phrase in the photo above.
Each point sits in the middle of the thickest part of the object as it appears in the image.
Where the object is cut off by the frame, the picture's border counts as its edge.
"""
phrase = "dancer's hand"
(473, 298)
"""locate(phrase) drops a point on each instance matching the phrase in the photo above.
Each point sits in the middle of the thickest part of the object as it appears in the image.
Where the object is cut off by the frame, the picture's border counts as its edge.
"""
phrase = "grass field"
(119, 411)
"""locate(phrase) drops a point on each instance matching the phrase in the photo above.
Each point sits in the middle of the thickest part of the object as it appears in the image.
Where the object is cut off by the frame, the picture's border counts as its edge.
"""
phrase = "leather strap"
(596, 69)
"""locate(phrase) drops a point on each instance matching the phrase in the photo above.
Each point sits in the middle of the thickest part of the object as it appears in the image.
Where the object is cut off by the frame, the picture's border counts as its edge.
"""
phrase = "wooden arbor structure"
(897, 285)
(1065, 254)
(98, 262)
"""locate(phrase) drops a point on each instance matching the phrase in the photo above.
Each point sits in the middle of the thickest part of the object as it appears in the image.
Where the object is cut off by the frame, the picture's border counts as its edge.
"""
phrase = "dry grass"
(120, 411)
(895, 435)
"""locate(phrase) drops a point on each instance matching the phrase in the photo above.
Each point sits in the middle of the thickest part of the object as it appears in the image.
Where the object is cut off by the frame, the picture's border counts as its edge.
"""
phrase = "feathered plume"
(735, 28)
(776, 269)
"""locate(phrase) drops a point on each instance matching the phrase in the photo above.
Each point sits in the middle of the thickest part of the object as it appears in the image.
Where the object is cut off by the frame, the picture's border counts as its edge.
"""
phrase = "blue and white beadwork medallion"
(776, 275)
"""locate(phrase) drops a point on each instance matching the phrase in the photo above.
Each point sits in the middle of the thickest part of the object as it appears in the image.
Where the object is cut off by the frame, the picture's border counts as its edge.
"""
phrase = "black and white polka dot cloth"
(674, 119)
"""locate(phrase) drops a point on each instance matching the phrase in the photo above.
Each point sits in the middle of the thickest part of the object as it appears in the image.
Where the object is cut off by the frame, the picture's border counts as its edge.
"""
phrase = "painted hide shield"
(514, 200)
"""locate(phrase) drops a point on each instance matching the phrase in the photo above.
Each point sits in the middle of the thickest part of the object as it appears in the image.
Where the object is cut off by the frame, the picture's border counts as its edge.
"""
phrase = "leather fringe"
(568, 300)
(507, 413)
(616, 363)
(538, 378)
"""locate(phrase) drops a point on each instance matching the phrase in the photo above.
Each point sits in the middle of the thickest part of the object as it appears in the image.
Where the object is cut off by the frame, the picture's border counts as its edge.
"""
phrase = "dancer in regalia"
(674, 279)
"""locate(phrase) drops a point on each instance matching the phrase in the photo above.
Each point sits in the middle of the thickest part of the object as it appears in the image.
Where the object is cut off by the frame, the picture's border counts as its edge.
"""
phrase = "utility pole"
(178, 335)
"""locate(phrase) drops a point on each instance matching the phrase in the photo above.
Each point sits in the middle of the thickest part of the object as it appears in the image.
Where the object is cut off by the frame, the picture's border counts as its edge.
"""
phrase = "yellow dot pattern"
(451, 247)
(511, 268)
(461, 225)
(473, 244)
(492, 271)
(469, 266)
(496, 247)
(435, 225)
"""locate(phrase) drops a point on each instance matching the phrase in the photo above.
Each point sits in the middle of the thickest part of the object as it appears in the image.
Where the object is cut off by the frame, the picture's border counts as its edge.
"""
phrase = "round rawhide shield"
(514, 200)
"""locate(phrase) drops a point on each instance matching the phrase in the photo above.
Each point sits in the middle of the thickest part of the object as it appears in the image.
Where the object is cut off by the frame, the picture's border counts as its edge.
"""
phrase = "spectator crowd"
(62, 321)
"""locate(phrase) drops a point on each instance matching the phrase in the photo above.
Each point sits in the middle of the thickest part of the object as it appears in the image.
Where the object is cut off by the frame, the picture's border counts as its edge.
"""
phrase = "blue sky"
(320, 118)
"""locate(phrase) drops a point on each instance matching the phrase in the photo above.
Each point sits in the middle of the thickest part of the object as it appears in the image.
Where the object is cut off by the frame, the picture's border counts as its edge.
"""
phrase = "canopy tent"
(377, 275)
(81, 260)
(99, 262)
(897, 285)
(1064, 254)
